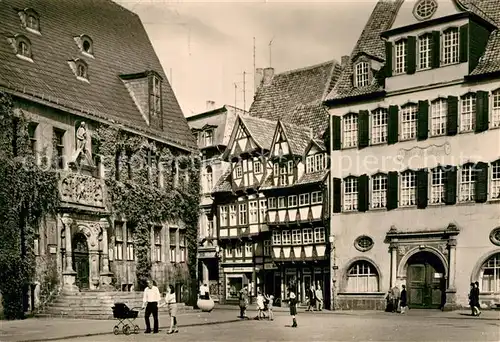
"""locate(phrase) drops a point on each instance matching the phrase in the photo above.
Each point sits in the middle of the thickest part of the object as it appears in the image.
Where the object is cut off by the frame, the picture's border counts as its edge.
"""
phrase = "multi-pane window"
(32, 22)
(276, 237)
(272, 202)
(319, 161)
(267, 247)
(263, 209)
(276, 169)
(350, 130)
(490, 274)
(238, 251)
(283, 175)
(424, 52)
(362, 277)
(223, 215)
(296, 237)
(232, 215)
(248, 249)
(208, 136)
(307, 235)
(350, 194)
(290, 167)
(379, 126)
(32, 136)
(173, 245)
(208, 179)
(400, 57)
(292, 201)
(304, 199)
(409, 121)
(281, 202)
(362, 74)
(495, 109)
(157, 246)
(408, 189)
(437, 185)
(316, 197)
(243, 214)
(450, 46)
(495, 180)
(286, 237)
(238, 171)
(467, 183)
(118, 241)
(257, 167)
(310, 164)
(130, 244)
(229, 251)
(253, 212)
(156, 96)
(23, 49)
(468, 113)
(379, 191)
(59, 147)
(439, 111)
(319, 235)
(210, 228)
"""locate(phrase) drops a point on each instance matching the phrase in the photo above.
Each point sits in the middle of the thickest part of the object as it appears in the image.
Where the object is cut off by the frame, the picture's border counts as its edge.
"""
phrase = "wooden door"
(424, 286)
(81, 261)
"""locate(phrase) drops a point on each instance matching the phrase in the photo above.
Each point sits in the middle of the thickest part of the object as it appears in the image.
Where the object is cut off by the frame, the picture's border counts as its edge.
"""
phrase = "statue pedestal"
(105, 280)
(451, 300)
(69, 279)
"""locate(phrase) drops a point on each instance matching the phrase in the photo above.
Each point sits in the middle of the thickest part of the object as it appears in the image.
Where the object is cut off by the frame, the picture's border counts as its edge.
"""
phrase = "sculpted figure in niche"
(82, 137)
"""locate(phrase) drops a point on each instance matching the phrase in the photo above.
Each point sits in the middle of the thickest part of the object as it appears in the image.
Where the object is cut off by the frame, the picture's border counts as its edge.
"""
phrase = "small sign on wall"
(438, 275)
(52, 249)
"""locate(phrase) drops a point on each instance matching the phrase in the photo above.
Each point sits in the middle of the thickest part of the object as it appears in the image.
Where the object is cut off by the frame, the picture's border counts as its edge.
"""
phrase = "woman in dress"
(172, 309)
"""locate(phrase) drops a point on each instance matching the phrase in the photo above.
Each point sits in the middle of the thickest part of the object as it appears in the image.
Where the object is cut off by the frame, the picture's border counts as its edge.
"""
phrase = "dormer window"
(155, 96)
(85, 45)
(80, 69)
(208, 137)
(450, 46)
(30, 20)
(362, 76)
(22, 47)
(400, 56)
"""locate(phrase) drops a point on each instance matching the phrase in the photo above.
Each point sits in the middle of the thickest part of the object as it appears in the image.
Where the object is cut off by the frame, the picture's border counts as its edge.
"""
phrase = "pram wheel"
(136, 329)
(116, 330)
(126, 329)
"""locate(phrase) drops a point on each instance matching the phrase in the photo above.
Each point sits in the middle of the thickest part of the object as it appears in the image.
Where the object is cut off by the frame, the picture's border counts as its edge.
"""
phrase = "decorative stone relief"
(443, 248)
(403, 249)
(80, 189)
(495, 236)
(93, 232)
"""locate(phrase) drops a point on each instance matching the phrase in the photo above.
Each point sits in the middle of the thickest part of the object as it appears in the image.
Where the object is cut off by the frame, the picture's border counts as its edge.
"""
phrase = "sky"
(207, 47)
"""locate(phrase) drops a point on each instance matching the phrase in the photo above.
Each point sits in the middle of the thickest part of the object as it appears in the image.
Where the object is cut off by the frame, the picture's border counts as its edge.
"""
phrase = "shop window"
(362, 277)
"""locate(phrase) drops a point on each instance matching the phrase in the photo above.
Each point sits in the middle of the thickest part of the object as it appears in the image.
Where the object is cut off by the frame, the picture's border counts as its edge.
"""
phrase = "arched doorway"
(81, 260)
(425, 281)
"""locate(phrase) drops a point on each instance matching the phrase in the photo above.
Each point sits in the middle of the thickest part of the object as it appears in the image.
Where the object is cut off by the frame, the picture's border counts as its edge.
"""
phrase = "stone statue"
(81, 144)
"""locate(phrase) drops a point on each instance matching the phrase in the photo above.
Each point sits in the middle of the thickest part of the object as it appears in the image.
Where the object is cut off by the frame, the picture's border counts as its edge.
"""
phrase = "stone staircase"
(96, 305)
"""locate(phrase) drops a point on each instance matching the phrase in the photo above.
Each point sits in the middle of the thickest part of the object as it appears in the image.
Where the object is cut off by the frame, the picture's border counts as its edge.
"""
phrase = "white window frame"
(493, 263)
(439, 117)
(350, 130)
(228, 251)
(467, 183)
(262, 210)
(495, 109)
(319, 235)
(319, 162)
(208, 137)
(358, 277)
(424, 51)
(290, 167)
(248, 249)
(242, 214)
(272, 202)
(233, 217)
(495, 180)
(310, 164)
(267, 247)
(307, 235)
(157, 235)
(378, 191)
(253, 210)
(350, 194)
(408, 121)
(408, 186)
(276, 169)
(118, 247)
(362, 74)
(378, 129)
(304, 199)
(437, 185)
(292, 201)
(276, 237)
(282, 202)
(296, 237)
(450, 53)
(238, 251)
(467, 113)
(316, 197)
(286, 238)
(257, 167)
(400, 57)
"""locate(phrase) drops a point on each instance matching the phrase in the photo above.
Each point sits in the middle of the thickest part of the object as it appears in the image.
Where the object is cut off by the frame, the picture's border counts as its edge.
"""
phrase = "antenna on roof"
(244, 92)
(254, 83)
(235, 94)
(270, 51)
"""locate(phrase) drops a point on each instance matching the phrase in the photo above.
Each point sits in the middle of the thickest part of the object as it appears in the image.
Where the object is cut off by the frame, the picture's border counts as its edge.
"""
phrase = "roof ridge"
(259, 119)
(333, 61)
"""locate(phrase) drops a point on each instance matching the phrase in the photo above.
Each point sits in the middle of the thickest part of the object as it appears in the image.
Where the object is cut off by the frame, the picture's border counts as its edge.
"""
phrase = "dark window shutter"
(422, 178)
(392, 125)
(411, 55)
(423, 120)
(478, 39)
(436, 49)
(337, 133)
(452, 117)
(392, 190)
(464, 43)
(363, 129)
(482, 108)
(363, 193)
(337, 200)
(450, 185)
(388, 59)
(481, 170)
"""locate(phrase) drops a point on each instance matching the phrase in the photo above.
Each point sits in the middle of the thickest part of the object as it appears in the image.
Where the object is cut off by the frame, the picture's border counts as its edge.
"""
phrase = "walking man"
(319, 298)
(403, 300)
(150, 301)
(312, 298)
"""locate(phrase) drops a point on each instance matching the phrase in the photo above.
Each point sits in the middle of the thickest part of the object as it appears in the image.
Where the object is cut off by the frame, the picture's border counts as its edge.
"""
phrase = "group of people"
(397, 301)
(152, 301)
(315, 298)
(474, 299)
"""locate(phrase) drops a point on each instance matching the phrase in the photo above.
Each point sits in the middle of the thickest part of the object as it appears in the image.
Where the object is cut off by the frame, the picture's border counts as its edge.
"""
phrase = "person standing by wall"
(311, 293)
(403, 300)
(395, 295)
(475, 299)
(319, 298)
(150, 301)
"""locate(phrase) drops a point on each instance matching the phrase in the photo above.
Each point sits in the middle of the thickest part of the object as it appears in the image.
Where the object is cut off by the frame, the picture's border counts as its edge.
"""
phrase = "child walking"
(292, 302)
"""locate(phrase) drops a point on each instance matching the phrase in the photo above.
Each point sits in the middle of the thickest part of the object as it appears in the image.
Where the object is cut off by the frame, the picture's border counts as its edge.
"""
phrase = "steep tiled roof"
(121, 47)
(261, 130)
(382, 17)
(292, 91)
(307, 178)
(298, 137)
(313, 115)
(223, 184)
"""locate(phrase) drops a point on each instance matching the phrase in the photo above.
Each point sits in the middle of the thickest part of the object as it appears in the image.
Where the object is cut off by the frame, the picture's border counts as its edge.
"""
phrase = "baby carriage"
(122, 313)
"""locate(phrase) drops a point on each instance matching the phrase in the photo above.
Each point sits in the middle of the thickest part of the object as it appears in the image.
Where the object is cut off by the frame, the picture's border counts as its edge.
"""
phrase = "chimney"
(343, 61)
(259, 75)
(268, 76)
(210, 105)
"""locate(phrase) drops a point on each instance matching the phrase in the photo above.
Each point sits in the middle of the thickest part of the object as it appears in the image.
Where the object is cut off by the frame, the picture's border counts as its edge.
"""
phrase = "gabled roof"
(307, 178)
(315, 142)
(313, 115)
(381, 19)
(297, 137)
(223, 184)
(295, 91)
(120, 46)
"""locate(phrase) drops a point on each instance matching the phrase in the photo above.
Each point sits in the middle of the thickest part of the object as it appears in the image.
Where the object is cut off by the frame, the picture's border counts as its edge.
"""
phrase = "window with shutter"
(439, 114)
(350, 130)
(450, 185)
(400, 52)
(337, 195)
(379, 126)
(379, 191)
(388, 59)
(393, 125)
(408, 121)
(482, 109)
(408, 188)
(422, 188)
(392, 190)
(468, 176)
(350, 194)
(363, 128)
(495, 108)
(336, 133)
(495, 180)
(451, 54)
(452, 117)
(464, 43)
(436, 49)
(411, 56)
(423, 120)
(424, 51)
(363, 193)
(481, 170)
(468, 113)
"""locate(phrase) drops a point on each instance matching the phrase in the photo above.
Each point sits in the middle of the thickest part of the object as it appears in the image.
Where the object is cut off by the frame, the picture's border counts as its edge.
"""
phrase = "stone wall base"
(360, 302)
